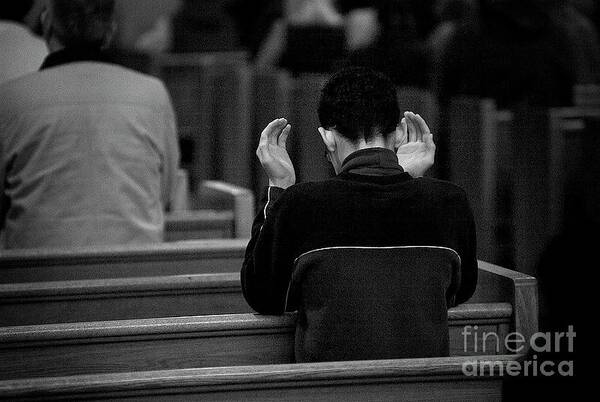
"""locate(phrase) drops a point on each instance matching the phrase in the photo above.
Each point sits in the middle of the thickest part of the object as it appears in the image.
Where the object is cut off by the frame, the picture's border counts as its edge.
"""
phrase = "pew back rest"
(383, 380)
(217, 340)
(34, 303)
(177, 258)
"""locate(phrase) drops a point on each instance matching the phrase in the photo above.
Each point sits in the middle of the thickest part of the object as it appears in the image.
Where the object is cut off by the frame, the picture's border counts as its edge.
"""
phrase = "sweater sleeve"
(269, 258)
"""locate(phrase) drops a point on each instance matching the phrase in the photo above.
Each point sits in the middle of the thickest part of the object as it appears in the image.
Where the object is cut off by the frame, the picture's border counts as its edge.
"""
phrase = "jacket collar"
(73, 55)
(372, 162)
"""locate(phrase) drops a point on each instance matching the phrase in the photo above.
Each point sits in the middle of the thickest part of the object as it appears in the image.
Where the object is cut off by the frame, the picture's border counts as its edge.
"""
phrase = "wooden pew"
(440, 379)
(478, 148)
(554, 164)
(184, 342)
(219, 210)
(574, 145)
(201, 224)
(587, 95)
(120, 298)
(223, 196)
(177, 258)
(514, 167)
(210, 93)
(506, 301)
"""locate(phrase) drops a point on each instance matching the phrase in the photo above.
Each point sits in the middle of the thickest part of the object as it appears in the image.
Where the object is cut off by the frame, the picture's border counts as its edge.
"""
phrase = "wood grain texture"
(145, 297)
(180, 342)
(411, 379)
(120, 298)
(203, 224)
(499, 284)
(177, 258)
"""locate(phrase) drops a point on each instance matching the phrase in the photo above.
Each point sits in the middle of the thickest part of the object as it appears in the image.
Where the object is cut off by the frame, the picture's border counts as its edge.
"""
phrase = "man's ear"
(328, 139)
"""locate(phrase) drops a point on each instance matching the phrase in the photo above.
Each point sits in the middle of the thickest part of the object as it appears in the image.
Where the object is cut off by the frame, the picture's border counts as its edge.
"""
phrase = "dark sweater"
(372, 202)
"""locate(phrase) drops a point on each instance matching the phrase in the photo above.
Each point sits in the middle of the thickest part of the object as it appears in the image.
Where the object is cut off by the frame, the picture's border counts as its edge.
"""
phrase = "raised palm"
(273, 155)
(416, 149)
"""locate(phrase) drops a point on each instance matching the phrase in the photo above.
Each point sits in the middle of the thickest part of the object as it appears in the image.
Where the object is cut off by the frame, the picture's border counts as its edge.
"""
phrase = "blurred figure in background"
(303, 36)
(589, 8)
(513, 52)
(206, 26)
(384, 34)
(255, 21)
(582, 39)
(88, 149)
(145, 26)
(451, 15)
(21, 52)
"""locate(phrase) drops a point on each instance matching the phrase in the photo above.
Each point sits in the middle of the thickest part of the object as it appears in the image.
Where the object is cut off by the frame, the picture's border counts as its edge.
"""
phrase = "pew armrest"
(219, 194)
(501, 285)
(180, 197)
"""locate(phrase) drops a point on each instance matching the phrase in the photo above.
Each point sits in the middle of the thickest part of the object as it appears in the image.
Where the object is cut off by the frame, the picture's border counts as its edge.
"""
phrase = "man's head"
(78, 23)
(358, 109)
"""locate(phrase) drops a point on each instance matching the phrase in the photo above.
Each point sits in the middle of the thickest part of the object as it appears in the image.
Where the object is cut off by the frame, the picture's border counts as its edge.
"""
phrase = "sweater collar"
(74, 55)
(372, 162)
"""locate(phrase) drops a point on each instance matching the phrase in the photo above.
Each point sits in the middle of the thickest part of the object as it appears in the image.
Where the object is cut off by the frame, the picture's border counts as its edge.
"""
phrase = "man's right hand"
(273, 155)
(416, 149)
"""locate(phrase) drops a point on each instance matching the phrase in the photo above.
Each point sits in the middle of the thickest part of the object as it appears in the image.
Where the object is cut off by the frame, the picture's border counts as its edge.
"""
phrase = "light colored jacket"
(88, 156)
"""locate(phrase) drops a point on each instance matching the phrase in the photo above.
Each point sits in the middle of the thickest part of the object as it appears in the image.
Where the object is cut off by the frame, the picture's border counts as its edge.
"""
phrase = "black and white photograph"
(298, 200)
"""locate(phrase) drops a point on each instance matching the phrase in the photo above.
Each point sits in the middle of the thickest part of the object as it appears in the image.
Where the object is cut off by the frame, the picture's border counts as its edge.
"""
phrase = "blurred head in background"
(86, 24)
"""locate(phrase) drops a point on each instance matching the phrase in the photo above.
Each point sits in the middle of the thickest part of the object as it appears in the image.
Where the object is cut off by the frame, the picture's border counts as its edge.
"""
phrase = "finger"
(423, 125)
(428, 140)
(418, 130)
(271, 132)
(284, 136)
(411, 127)
(276, 130)
(429, 146)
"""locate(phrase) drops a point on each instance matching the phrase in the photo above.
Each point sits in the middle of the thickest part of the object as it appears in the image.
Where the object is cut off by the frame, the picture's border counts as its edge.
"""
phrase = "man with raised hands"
(378, 198)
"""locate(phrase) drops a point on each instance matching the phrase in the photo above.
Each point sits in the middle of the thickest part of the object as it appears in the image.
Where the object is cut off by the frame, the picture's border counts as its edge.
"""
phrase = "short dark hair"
(82, 23)
(359, 103)
(15, 10)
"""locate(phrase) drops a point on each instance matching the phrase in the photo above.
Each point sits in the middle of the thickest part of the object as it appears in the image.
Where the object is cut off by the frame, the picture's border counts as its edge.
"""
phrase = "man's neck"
(346, 148)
